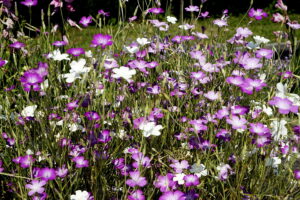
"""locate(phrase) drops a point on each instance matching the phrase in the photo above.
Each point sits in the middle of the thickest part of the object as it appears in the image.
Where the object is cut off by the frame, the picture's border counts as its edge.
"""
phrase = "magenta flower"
(85, 21)
(192, 8)
(165, 183)
(26, 161)
(284, 105)
(92, 115)
(176, 195)
(36, 186)
(156, 11)
(102, 12)
(267, 53)
(80, 162)
(262, 140)
(76, 51)
(136, 179)
(47, 174)
(257, 14)
(29, 3)
(136, 195)
(101, 40)
(17, 45)
(191, 180)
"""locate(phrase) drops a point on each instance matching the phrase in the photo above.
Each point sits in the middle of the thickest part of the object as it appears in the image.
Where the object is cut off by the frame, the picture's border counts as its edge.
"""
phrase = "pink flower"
(284, 105)
(165, 183)
(237, 123)
(36, 186)
(191, 180)
(220, 22)
(136, 179)
(80, 162)
(281, 5)
(267, 53)
(179, 166)
(156, 10)
(277, 18)
(85, 21)
(29, 3)
(192, 8)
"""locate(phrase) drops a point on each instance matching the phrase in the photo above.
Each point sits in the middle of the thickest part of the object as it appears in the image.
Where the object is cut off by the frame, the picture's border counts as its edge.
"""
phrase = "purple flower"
(85, 21)
(29, 3)
(235, 80)
(2, 62)
(80, 162)
(141, 160)
(239, 110)
(17, 45)
(294, 25)
(104, 136)
(26, 161)
(220, 22)
(156, 10)
(47, 174)
(153, 90)
(179, 166)
(237, 123)
(72, 105)
(191, 195)
(136, 195)
(212, 95)
(61, 171)
(259, 129)
(297, 174)
(252, 63)
(92, 115)
(257, 14)
(192, 8)
(136, 179)
(165, 183)
(243, 32)
(267, 53)
(31, 79)
(284, 105)
(191, 180)
(101, 40)
(224, 171)
(223, 135)
(76, 51)
(176, 195)
(36, 186)
(59, 43)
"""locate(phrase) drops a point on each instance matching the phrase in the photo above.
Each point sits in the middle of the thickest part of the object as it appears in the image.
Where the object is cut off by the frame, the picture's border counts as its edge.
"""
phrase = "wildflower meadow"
(150, 107)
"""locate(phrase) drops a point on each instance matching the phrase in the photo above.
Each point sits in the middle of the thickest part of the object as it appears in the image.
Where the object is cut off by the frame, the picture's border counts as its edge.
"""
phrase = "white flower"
(268, 110)
(77, 68)
(123, 72)
(172, 20)
(260, 40)
(278, 129)
(252, 45)
(142, 41)
(88, 54)
(80, 195)
(29, 152)
(199, 170)
(150, 128)
(132, 49)
(56, 55)
(282, 91)
(74, 127)
(29, 111)
(45, 85)
(273, 161)
(186, 26)
(179, 178)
